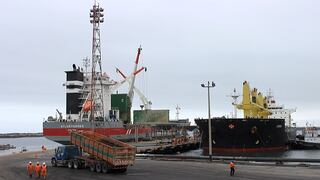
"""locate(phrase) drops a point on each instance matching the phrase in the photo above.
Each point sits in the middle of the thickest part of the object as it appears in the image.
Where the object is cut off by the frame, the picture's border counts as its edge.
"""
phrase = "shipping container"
(150, 116)
(122, 103)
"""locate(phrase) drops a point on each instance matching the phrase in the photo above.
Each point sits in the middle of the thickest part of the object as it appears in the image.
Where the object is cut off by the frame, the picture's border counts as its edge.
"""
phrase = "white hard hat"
(30, 162)
(37, 162)
(44, 163)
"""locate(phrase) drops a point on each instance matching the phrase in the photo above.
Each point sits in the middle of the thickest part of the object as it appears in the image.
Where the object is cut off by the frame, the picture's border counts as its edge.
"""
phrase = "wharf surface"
(154, 147)
(14, 167)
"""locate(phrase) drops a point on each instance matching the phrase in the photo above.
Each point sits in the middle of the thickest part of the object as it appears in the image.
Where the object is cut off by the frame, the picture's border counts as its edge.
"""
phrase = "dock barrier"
(229, 158)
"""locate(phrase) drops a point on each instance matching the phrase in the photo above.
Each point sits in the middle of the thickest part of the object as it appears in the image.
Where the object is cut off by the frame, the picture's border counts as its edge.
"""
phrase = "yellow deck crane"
(254, 104)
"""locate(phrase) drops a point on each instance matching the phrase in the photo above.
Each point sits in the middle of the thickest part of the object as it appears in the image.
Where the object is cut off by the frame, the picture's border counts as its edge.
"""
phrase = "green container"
(120, 102)
(151, 116)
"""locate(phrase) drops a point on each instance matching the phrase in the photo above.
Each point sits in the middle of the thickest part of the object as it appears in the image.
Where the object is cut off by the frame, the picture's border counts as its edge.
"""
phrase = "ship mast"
(178, 112)
(235, 97)
(96, 92)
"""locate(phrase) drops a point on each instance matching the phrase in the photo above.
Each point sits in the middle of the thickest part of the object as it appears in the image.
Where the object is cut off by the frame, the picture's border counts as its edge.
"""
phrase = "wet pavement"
(14, 167)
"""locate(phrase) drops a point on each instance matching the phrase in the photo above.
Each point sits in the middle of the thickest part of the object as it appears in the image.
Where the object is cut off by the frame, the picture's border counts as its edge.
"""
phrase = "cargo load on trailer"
(115, 152)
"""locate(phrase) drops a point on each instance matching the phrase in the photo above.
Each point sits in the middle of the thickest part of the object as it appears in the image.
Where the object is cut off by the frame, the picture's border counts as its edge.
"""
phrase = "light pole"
(210, 85)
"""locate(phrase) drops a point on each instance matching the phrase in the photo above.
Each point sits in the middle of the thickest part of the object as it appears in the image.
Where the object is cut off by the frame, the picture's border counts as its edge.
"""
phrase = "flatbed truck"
(99, 153)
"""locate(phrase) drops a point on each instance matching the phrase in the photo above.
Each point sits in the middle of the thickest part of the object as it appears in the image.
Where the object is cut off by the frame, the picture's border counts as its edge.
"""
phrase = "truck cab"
(64, 154)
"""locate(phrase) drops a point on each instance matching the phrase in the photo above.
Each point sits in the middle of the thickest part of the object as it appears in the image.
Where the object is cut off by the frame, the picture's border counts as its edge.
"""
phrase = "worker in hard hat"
(30, 169)
(38, 170)
(232, 166)
(44, 171)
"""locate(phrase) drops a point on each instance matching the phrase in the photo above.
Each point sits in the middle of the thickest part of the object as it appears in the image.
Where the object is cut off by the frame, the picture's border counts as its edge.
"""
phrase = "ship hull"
(60, 131)
(242, 136)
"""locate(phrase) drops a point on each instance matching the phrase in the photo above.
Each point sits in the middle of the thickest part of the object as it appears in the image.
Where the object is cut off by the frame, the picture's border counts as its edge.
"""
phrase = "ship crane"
(60, 115)
(127, 79)
(131, 85)
(254, 104)
(146, 103)
(87, 105)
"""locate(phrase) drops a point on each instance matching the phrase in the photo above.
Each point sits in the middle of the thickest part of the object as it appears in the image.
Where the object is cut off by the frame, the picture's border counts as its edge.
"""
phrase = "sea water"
(299, 154)
(36, 143)
(29, 143)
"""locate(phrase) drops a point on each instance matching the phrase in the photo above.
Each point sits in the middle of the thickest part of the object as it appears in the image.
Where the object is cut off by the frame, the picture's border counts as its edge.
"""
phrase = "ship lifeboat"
(87, 105)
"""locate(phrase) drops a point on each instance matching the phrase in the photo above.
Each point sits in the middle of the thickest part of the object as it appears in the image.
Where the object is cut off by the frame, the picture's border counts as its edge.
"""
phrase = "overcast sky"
(272, 44)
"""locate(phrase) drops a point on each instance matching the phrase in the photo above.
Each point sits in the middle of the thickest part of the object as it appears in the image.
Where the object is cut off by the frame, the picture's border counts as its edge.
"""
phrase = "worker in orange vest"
(38, 170)
(30, 169)
(44, 171)
(232, 166)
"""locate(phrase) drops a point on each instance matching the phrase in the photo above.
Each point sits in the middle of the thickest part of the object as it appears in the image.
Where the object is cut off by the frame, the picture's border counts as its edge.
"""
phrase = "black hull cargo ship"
(257, 132)
(239, 136)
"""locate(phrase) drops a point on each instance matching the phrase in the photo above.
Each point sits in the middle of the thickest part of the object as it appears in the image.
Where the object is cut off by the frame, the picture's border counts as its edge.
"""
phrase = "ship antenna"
(97, 110)
(270, 93)
(235, 97)
(86, 64)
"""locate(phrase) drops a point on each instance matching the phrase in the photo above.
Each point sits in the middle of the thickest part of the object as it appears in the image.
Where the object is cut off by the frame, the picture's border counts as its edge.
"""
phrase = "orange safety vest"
(44, 170)
(30, 168)
(231, 165)
(38, 168)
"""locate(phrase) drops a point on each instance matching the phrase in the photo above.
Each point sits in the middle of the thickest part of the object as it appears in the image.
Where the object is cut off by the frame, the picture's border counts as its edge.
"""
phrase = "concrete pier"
(169, 148)
(14, 167)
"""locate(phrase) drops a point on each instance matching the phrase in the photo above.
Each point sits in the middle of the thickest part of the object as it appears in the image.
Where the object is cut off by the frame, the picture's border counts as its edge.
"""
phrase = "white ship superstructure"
(78, 92)
(279, 111)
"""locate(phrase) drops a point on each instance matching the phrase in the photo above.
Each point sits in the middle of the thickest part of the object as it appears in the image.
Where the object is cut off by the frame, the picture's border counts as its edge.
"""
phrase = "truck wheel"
(104, 167)
(70, 164)
(122, 170)
(92, 167)
(76, 164)
(98, 167)
(54, 163)
(109, 169)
